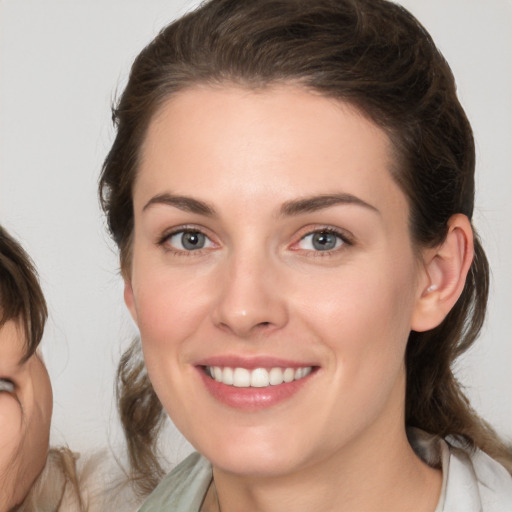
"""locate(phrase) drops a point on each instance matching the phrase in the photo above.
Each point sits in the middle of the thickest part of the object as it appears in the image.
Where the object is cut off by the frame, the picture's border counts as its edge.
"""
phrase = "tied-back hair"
(375, 56)
(142, 417)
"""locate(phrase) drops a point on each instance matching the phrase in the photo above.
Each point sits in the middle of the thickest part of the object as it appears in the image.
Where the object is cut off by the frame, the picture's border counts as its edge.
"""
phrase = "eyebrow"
(316, 203)
(185, 203)
(289, 208)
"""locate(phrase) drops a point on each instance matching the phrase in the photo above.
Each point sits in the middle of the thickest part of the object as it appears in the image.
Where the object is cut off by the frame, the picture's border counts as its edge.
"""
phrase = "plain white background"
(61, 63)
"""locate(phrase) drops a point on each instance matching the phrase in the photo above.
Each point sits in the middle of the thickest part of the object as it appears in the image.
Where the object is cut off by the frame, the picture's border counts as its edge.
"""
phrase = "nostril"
(263, 327)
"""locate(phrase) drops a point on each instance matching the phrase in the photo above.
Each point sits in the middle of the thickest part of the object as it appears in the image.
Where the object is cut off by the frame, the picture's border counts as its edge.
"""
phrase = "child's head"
(25, 390)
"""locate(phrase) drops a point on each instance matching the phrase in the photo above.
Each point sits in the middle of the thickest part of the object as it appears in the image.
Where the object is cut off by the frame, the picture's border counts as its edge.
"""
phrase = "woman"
(291, 189)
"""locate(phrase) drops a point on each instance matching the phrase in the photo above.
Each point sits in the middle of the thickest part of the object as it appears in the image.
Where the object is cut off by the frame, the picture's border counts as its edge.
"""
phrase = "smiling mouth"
(256, 378)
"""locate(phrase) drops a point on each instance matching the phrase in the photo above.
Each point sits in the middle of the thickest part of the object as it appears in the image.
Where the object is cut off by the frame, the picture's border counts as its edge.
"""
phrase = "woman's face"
(273, 277)
(25, 413)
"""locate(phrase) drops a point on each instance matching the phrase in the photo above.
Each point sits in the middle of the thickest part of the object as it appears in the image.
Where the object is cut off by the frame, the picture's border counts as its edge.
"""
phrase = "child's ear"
(129, 299)
(445, 269)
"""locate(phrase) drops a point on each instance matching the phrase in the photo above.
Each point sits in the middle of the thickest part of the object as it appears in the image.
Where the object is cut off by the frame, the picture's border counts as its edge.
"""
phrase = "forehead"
(12, 343)
(273, 140)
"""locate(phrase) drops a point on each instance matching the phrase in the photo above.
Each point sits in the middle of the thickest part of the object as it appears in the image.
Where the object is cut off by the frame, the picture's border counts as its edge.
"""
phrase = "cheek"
(36, 422)
(170, 311)
(363, 319)
(11, 431)
(361, 299)
(169, 306)
(43, 406)
(363, 316)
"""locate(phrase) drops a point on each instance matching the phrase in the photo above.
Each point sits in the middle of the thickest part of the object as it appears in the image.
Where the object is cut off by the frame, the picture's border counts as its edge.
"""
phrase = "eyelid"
(346, 237)
(186, 228)
(167, 233)
(7, 385)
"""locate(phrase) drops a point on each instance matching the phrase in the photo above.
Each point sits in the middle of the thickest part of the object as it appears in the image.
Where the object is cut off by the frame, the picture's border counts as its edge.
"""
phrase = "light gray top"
(472, 481)
(183, 489)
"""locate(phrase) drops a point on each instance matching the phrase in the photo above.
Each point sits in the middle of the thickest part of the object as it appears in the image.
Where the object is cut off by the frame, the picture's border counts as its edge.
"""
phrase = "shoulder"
(105, 484)
(183, 489)
(474, 479)
(96, 482)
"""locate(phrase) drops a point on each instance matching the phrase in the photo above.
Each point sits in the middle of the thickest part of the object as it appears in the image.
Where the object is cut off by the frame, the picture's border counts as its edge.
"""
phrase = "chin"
(255, 466)
(253, 454)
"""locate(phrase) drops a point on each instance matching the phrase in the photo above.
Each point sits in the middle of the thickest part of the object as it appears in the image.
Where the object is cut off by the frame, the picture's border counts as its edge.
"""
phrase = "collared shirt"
(472, 482)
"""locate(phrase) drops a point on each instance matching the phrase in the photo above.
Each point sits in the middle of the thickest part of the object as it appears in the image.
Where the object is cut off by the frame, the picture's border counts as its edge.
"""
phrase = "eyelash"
(10, 384)
(345, 238)
(346, 241)
(164, 240)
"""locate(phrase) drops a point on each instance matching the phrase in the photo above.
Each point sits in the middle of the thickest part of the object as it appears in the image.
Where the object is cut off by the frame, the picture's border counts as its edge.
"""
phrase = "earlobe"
(129, 299)
(446, 267)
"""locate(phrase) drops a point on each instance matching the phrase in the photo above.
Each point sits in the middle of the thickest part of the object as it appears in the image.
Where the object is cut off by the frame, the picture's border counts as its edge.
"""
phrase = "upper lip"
(250, 363)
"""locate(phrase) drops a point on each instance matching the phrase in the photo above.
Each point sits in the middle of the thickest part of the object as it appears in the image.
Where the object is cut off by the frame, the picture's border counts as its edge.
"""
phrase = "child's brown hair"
(21, 297)
(22, 301)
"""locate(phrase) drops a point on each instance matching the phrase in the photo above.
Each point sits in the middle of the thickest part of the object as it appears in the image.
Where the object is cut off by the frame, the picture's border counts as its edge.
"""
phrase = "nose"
(251, 297)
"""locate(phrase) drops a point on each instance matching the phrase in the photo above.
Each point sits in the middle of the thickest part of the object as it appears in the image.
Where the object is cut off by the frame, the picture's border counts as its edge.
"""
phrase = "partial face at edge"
(25, 414)
(270, 234)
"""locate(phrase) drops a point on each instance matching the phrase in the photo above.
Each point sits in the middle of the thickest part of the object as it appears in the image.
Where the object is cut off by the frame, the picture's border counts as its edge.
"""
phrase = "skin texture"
(24, 417)
(259, 287)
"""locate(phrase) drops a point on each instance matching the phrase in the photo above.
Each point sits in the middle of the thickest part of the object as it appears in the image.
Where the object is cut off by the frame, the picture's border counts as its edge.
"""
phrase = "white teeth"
(227, 376)
(289, 374)
(276, 376)
(305, 372)
(241, 378)
(300, 373)
(217, 373)
(257, 378)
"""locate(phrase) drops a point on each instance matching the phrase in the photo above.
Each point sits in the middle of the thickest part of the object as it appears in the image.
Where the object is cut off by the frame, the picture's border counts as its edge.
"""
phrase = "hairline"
(258, 85)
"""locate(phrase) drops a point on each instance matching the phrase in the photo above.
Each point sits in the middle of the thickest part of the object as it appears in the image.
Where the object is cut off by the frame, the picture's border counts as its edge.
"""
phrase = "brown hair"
(21, 297)
(22, 300)
(376, 56)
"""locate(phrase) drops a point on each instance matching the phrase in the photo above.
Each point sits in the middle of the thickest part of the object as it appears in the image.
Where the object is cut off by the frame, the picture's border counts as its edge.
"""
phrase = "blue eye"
(189, 240)
(321, 241)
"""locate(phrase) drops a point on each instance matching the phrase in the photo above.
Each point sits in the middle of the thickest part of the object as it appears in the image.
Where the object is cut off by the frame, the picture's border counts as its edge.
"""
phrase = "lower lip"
(252, 399)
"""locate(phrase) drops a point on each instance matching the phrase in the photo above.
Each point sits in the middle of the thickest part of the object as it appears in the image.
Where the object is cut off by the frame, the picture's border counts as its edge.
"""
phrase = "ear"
(129, 298)
(446, 267)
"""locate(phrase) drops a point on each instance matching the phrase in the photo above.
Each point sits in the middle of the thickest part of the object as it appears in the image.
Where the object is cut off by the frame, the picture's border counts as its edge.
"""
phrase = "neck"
(385, 475)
